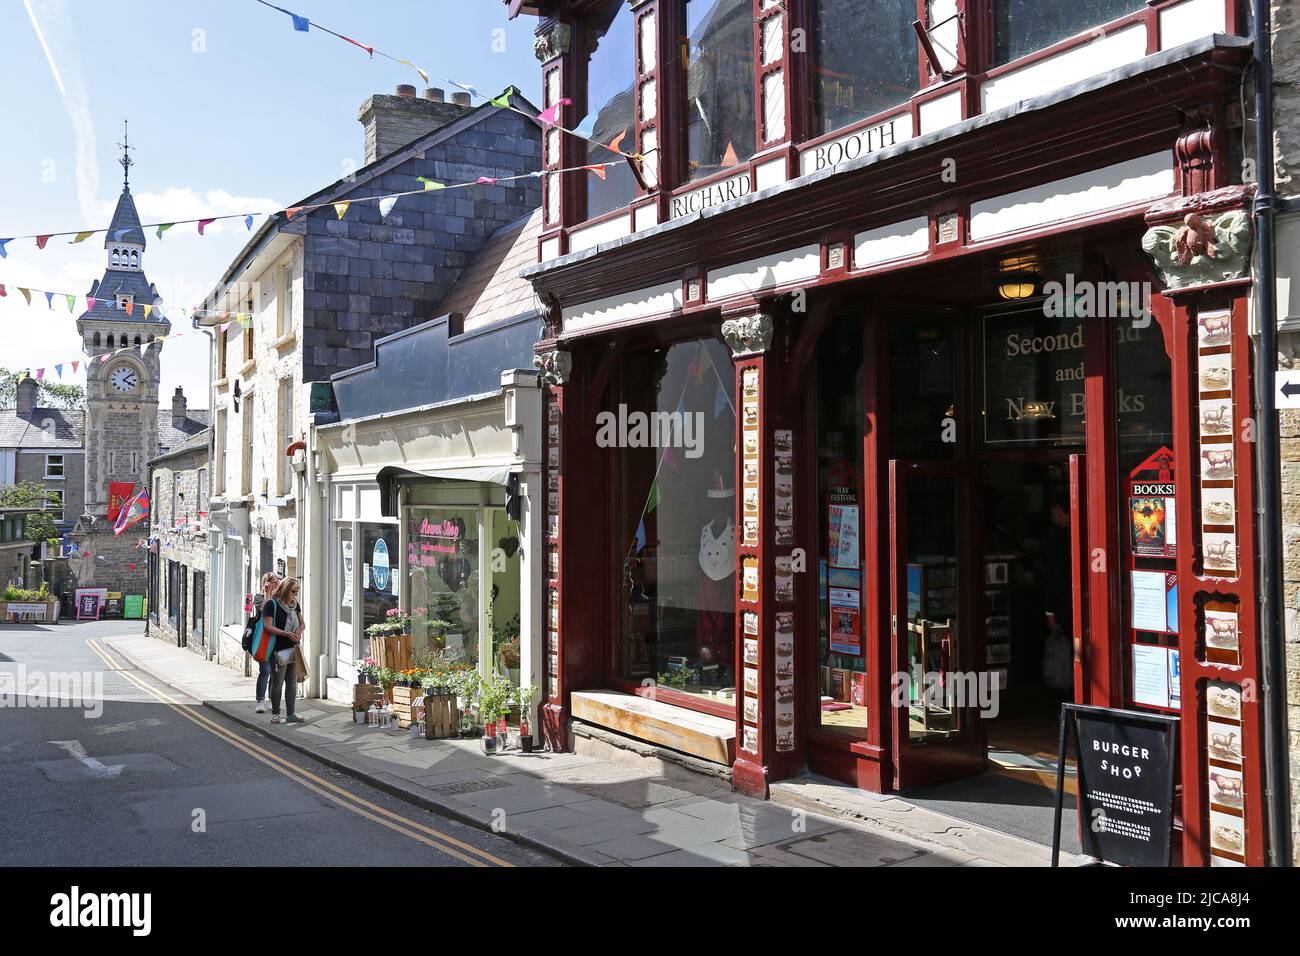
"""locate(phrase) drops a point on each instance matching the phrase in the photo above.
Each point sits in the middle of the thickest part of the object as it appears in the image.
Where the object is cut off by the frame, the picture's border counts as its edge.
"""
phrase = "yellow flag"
(341, 208)
(147, 310)
(424, 76)
(81, 237)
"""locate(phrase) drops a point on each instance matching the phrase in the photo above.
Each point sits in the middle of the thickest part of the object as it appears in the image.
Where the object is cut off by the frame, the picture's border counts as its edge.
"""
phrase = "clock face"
(124, 378)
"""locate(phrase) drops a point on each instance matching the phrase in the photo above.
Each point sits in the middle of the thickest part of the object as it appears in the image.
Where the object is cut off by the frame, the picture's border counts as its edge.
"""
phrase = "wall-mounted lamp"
(1018, 277)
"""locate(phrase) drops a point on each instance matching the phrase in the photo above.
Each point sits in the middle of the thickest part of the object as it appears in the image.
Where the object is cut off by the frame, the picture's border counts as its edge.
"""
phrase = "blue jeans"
(263, 678)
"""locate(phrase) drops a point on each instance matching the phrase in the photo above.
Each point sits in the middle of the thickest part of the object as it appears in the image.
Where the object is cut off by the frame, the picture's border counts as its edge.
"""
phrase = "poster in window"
(346, 600)
(1150, 675)
(1152, 521)
(842, 541)
(846, 622)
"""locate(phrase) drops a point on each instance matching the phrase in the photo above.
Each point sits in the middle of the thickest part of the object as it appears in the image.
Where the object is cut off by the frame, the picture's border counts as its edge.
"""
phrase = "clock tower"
(119, 332)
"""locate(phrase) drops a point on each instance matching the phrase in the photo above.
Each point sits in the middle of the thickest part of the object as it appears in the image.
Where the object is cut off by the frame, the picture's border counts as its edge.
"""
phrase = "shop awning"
(390, 477)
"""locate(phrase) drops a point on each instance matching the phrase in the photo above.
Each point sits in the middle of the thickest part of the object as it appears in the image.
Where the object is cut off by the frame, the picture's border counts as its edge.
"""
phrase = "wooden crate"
(441, 718)
(392, 652)
(363, 695)
(406, 702)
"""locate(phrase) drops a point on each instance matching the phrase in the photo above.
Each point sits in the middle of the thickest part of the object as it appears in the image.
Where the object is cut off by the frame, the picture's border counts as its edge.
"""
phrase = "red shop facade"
(894, 399)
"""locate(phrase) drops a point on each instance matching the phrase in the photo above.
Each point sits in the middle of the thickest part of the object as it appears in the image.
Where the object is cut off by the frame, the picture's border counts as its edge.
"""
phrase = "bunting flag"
(293, 211)
(74, 367)
(223, 327)
(653, 502)
(129, 306)
(40, 374)
(341, 208)
(3, 293)
(504, 99)
(42, 240)
(163, 227)
(58, 370)
(27, 294)
(72, 302)
(598, 170)
(119, 233)
(423, 75)
(49, 300)
(429, 183)
(301, 24)
(613, 144)
(147, 310)
(204, 223)
(3, 254)
(587, 128)
(248, 223)
(133, 512)
(548, 116)
(386, 206)
(640, 536)
(670, 459)
(485, 180)
(82, 237)
(90, 304)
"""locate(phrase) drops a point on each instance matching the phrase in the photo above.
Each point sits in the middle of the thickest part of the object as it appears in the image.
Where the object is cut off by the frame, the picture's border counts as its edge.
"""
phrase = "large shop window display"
(674, 430)
(442, 562)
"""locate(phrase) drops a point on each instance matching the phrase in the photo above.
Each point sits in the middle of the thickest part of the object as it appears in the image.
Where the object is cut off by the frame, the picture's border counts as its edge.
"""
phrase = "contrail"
(49, 57)
(73, 92)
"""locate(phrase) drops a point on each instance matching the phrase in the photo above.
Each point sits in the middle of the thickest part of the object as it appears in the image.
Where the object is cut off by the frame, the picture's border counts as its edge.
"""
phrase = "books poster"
(846, 621)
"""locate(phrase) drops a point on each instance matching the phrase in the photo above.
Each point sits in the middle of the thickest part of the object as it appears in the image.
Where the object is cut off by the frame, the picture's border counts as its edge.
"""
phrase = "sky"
(231, 110)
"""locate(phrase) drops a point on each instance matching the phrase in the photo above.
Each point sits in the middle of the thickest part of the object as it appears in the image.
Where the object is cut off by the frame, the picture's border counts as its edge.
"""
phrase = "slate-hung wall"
(367, 277)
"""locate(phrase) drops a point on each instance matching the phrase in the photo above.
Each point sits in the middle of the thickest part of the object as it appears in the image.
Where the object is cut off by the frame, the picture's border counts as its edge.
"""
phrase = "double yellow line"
(363, 808)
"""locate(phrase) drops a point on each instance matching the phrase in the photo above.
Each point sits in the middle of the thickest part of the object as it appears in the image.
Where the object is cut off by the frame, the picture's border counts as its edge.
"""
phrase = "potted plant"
(525, 697)
(464, 683)
(494, 702)
(367, 670)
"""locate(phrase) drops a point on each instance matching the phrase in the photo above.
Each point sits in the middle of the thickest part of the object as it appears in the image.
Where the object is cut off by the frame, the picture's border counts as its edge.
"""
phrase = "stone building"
(178, 551)
(123, 430)
(311, 293)
(44, 445)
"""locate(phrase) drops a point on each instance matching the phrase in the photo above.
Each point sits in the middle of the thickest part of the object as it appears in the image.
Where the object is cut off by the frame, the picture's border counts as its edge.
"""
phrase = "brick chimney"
(178, 408)
(27, 391)
(392, 121)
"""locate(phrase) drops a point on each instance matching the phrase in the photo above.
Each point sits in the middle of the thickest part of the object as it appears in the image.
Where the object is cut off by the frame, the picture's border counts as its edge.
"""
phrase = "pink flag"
(90, 304)
(40, 374)
(204, 223)
(485, 179)
(74, 366)
(41, 241)
(547, 117)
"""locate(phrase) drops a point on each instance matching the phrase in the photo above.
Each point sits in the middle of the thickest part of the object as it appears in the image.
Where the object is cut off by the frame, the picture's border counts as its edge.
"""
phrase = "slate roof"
(27, 431)
(198, 441)
(124, 218)
(170, 437)
(490, 288)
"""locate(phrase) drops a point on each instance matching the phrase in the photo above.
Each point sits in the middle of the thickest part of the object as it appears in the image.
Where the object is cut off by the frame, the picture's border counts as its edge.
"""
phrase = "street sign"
(1288, 389)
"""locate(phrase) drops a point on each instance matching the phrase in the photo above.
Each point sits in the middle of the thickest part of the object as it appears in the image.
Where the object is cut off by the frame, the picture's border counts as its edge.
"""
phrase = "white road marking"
(97, 769)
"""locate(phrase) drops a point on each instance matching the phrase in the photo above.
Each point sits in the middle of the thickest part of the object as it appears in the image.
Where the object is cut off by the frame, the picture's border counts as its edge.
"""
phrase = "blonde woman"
(282, 617)
(269, 583)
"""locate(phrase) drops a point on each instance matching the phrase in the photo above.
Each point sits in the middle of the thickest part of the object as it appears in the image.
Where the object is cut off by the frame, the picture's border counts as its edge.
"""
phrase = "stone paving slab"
(594, 812)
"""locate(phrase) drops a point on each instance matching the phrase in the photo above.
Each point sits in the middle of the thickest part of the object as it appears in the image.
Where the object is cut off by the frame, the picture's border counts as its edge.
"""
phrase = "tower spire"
(126, 161)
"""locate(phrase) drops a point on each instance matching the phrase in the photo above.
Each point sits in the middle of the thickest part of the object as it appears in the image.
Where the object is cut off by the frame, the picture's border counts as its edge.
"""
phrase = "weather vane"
(126, 161)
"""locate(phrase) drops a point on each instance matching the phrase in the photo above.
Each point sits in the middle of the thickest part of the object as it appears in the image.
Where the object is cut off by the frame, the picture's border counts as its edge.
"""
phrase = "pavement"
(589, 811)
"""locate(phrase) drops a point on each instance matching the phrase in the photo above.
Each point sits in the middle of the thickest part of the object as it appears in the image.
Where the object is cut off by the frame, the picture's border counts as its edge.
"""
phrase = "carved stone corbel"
(555, 366)
(552, 42)
(748, 334)
(1201, 239)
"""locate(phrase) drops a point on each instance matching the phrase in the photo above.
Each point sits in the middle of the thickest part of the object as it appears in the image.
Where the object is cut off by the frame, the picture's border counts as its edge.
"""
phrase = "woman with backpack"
(269, 583)
(282, 617)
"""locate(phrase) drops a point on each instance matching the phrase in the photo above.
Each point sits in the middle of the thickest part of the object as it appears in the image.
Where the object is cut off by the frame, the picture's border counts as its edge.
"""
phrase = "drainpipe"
(1269, 458)
(210, 634)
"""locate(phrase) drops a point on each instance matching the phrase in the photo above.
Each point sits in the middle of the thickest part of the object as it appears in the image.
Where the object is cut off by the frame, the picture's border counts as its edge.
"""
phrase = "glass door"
(937, 689)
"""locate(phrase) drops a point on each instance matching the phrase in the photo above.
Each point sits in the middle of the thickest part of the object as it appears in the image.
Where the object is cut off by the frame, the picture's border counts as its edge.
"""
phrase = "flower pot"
(526, 743)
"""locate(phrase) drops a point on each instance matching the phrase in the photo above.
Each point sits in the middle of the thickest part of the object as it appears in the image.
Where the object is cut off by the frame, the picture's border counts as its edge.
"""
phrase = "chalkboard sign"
(113, 606)
(88, 606)
(1125, 762)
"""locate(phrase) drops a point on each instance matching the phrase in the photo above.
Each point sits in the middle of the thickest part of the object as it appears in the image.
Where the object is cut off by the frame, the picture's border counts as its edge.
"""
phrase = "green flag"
(504, 99)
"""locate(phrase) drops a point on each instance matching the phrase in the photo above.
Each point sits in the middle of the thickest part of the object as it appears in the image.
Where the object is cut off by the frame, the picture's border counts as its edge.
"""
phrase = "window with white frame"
(284, 300)
(285, 403)
(203, 489)
(250, 444)
(219, 451)
(54, 466)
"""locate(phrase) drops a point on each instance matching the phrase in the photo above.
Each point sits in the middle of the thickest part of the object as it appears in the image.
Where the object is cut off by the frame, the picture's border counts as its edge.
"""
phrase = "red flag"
(41, 241)
(368, 49)
(130, 307)
(74, 366)
(3, 293)
(290, 213)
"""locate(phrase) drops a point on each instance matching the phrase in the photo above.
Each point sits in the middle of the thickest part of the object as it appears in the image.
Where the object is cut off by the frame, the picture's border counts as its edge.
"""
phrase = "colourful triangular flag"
(119, 233)
(616, 141)
(3, 254)
(40, 374)
(49, 300)
(640, 536)
(58, 370)
(729, 157)
(587, 128)
(74, 367)
(485, 180)
(386, 205)
(130, 307)
(82, 237)
(204, 223)
(597, 170)
(41, 241)
(147, 310)
(90, 304)
(341, 208)
(27, 294)
(163, 227)
(429, 183)
(222, 328)
(291, 212)
(72, 302)
(547, 117)
(3, 293)
(424, 76)
(504, 99)
(301, 24)
(248, 223)
(653, 501)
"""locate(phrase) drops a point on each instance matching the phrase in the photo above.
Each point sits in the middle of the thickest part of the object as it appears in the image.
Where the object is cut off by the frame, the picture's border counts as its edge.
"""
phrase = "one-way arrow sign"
(1288, 389)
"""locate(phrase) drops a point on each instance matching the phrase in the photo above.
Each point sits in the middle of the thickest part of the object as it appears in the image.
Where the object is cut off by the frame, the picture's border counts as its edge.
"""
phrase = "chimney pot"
(460, 99)
(405, 89)
(26, 393)
(435, 95)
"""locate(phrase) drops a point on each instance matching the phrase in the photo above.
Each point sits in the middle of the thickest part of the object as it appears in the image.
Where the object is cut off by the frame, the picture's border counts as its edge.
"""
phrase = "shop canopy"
(391, 477)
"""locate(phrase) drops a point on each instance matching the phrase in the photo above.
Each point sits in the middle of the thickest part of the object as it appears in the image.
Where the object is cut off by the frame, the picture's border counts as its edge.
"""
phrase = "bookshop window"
(442, 563)
(841, 649)
(674, 437)
(611, 71)
(719, 51)
(866, 59)
(1021, 27)
(379, 573)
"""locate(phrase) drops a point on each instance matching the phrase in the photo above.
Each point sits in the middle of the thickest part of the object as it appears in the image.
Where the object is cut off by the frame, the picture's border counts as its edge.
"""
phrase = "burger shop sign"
(1125, 762)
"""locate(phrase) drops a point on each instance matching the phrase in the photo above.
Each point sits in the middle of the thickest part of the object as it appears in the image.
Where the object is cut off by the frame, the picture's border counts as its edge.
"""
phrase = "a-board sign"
(1125, 764)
